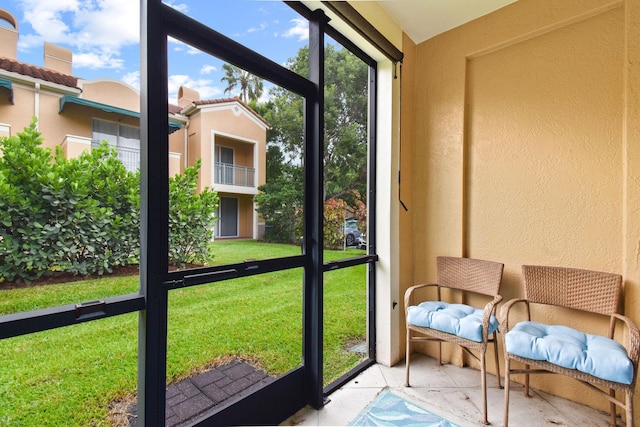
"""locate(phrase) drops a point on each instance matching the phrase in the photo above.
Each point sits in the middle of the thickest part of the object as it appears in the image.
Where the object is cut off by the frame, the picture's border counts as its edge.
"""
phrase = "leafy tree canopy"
(345, 141)
(345, 147)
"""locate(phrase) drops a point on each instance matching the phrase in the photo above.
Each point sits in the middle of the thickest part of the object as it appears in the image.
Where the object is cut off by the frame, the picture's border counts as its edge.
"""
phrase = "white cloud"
(180, 7)
(108, 24)
(208, 69)
(180, 46)
(132, 79)
(97, 60)
(300, 29)
(96, 31)
(193, 51)
(48, 17)
(205, 87)
(260, 27)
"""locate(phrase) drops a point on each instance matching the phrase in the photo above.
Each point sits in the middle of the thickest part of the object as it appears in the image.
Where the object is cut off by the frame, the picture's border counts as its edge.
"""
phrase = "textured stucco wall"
(111, 92)
(525, 147)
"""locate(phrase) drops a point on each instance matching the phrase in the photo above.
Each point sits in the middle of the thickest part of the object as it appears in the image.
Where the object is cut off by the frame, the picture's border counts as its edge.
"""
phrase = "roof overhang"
(69, 99)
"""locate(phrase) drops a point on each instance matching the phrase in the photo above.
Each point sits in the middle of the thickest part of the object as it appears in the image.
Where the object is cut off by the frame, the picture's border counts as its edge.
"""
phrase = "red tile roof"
(38, 72)
(174, 109)
(48, 75)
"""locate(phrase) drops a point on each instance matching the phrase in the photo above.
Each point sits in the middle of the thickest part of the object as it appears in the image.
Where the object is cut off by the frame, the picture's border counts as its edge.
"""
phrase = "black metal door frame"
(283, 397)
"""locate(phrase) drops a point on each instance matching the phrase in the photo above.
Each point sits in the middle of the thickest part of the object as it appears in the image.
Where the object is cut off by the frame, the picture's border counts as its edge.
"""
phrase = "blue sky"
(104, 37)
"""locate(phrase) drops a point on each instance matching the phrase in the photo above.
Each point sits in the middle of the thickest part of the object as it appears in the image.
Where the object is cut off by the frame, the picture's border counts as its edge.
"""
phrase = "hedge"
(81, 215)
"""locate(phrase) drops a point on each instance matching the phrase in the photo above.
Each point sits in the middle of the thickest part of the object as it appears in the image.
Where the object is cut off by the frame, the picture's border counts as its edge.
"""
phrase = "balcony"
(130, 157)
(228, 174)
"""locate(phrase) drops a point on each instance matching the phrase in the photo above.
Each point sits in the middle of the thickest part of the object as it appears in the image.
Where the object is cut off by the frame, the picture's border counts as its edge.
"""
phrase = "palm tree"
(250, 85)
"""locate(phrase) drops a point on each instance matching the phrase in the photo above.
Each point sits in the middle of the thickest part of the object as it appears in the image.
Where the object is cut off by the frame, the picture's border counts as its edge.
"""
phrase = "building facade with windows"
(76, 114)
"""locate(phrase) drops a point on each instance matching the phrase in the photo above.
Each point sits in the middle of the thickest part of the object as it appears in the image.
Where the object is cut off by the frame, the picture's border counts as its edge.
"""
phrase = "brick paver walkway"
(194, 396)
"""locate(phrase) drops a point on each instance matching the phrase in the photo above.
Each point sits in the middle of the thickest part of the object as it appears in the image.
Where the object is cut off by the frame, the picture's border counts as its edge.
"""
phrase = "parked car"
(351, 232)
(361, 242)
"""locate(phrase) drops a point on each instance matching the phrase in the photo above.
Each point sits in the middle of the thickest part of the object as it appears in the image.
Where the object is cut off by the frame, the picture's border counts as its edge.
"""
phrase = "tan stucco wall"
(20, 113)
(194, 141)
(73, 146)
(524, 147)
(112, 92)
(176, 145)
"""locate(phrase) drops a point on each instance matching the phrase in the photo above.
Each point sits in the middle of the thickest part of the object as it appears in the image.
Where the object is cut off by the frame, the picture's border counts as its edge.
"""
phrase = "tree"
(345, 140)
(280, 204)
(191, 218)
(345, 149)
(251, 86)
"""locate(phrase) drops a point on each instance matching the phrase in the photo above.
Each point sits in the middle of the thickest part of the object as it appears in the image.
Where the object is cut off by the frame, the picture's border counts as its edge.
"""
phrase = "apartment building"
(77, 114)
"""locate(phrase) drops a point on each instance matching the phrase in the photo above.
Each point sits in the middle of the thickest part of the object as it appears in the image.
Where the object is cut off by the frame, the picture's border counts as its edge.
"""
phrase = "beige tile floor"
(451, 392)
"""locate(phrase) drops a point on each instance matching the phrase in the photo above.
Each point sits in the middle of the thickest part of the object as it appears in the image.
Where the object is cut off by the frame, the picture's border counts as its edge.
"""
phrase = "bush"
(191, 218)
(25, 168)
(334, 215)
(94, 211)
(82, 215)
(280, 204)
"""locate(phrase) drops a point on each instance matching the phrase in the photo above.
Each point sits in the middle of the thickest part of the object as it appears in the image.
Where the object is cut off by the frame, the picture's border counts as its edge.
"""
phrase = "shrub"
(191, 218)
(82, 215)
(280, 204)
(94, 212)
(25, 168)
(334, 215)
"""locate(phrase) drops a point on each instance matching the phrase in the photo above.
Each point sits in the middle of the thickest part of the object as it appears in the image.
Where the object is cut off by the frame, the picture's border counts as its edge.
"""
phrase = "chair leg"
(408, 358)
(629, 405)
(507, 382)
(612, 407)
(440, 352)
(526, 382)
(483, 381)
(495, 352)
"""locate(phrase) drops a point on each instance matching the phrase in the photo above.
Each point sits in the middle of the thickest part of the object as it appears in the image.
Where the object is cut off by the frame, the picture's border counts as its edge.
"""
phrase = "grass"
(69, 376)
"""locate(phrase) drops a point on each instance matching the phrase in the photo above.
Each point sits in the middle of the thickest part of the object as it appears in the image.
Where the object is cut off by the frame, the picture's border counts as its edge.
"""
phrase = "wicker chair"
(461, 324)
(582, 356)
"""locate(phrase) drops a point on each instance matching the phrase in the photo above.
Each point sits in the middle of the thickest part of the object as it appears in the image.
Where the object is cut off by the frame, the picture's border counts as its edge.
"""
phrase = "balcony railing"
(228, 174)
(130, 157)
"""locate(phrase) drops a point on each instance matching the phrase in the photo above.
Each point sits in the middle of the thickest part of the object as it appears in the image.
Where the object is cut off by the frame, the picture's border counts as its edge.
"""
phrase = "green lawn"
(68, 376)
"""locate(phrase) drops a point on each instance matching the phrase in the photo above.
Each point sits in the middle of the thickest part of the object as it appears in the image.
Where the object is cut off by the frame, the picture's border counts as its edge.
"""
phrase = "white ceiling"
(423, 19)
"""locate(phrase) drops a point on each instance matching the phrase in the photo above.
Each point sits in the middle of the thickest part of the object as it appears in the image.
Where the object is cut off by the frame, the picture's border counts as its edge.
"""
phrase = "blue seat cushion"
(461, 320)
(596, 355)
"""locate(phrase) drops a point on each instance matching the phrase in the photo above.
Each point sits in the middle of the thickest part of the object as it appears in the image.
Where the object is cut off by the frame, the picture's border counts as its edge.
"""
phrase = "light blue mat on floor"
(388, 409)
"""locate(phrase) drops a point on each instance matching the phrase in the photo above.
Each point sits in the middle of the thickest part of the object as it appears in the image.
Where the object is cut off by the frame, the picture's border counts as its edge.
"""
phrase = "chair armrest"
(633, 342)
(504, 313)
(489, 309)
(409, 293)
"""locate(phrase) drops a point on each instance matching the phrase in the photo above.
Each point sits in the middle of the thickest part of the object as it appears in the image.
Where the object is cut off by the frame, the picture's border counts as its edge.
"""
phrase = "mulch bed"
(64, 277)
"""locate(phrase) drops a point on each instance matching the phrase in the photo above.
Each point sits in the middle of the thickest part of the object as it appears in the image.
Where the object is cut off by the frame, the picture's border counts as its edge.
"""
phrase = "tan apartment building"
(76, 114)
